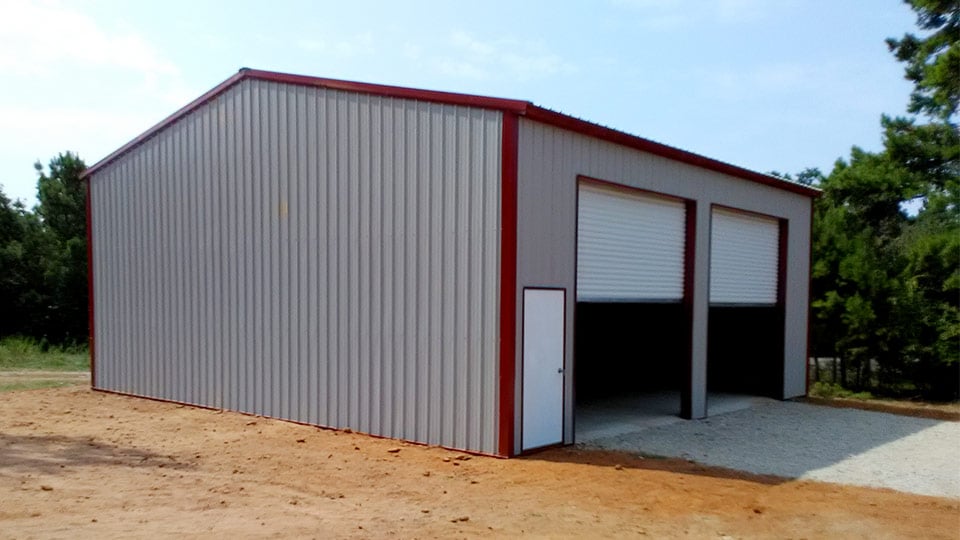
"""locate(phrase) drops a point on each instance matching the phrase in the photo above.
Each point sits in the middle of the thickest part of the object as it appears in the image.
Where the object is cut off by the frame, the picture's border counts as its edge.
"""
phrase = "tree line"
(886, 232)
(43, 258)
(886, 239)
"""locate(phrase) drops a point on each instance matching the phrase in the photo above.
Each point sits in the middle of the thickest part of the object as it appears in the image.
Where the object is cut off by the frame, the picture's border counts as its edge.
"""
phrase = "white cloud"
(46, 41)
(741, 11)
(777, 79)
(412, 51)
(464, 70)
(666, 15)
(312, 45)
(477, 59)
(75, 82)
(356, 45)
(468, 44)
(62, 123)
(38, 37)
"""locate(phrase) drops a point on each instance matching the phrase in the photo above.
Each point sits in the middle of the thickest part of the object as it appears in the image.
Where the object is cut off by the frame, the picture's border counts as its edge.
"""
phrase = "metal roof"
(518, 107)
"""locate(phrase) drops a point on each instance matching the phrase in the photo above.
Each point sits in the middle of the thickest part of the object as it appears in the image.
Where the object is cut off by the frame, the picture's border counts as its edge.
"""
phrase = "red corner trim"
(90, 342)
(508, 283)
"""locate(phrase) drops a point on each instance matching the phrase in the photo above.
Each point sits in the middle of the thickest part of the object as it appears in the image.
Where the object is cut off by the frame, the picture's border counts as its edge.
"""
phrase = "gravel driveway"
(798, 440)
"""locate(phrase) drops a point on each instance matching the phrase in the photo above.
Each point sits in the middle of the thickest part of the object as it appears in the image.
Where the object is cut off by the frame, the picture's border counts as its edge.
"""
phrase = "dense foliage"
(43, 257)
(886, 270)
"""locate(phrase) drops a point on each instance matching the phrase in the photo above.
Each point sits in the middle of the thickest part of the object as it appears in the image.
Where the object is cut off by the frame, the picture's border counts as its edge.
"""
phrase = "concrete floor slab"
(799, 440)
(620, 415)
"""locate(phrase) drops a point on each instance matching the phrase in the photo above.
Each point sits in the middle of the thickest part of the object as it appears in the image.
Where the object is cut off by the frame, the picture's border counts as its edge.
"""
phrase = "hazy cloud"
(478, 59)
(356, 45)
(38, 37)
(676, 14)
(730, 82)
(46, 39)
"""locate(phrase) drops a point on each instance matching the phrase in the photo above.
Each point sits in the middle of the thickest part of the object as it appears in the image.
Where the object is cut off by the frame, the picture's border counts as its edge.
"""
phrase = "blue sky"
(764, 84)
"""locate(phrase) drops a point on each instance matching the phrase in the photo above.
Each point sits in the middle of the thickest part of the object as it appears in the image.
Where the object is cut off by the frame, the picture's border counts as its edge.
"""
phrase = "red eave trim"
(192, 106)
(563, 121)
(508, 106)
(400, 92)
(433, 96)
(508, 283)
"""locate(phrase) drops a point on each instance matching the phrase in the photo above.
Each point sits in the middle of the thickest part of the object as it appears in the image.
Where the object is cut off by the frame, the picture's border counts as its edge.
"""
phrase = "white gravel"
(797, 440)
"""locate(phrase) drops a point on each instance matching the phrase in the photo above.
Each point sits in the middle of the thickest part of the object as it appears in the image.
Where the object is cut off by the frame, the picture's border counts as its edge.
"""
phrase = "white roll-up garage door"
(744, 258)
(629, 246)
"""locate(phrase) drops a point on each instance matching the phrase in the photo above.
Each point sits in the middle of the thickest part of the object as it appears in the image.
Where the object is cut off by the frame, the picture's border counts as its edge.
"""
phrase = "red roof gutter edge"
(513, 106)
(400, 92)
(563, 121)
(450, 98)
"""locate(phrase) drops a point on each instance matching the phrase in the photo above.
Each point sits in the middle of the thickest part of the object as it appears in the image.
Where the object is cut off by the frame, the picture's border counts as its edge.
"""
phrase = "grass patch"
(34, 384)
(18, 353)
(831, 390)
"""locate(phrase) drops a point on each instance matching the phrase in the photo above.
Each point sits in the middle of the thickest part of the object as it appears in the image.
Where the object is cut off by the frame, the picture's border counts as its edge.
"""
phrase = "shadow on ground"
(51, 454)
(627, 460)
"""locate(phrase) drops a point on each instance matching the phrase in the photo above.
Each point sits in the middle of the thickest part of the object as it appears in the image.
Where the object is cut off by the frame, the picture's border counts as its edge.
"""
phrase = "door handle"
(559, 370)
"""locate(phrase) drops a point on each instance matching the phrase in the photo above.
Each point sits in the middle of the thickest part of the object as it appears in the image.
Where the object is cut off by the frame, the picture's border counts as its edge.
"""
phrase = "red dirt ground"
(78, 463)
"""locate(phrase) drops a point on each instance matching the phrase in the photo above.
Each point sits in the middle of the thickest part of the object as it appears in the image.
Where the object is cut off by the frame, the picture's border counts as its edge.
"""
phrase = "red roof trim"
(513, 106)
(189, 108)
(466, 100)
(646, 145)
(400, 92)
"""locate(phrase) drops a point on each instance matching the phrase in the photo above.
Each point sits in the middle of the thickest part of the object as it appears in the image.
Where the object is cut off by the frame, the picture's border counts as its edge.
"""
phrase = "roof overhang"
(512, 106)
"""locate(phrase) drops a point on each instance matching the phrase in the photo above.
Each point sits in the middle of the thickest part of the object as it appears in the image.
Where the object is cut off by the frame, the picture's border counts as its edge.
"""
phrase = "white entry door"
(543, 342)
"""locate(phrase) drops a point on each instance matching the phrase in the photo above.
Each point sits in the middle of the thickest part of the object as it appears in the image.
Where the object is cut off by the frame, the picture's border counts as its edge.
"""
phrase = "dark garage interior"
(745, 350)
(627, 348)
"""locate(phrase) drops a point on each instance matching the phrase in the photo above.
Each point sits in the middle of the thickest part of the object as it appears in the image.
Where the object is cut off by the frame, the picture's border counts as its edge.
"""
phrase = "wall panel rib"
(308, 254)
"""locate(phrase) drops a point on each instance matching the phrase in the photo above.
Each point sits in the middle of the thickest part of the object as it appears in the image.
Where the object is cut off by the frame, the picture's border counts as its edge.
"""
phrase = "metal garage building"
(434, 267)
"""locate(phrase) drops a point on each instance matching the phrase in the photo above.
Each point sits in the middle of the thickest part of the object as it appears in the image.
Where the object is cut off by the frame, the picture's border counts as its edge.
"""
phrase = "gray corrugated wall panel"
(321, 256)
(549, 161)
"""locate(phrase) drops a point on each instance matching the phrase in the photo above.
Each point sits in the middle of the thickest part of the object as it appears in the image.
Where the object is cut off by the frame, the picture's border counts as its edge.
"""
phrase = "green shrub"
(26, 353)
(832, 390)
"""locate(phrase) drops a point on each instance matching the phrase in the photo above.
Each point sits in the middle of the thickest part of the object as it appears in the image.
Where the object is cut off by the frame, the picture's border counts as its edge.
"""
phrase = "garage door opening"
(745, 350)
(629, 363)
(746, 321)
(631, 331)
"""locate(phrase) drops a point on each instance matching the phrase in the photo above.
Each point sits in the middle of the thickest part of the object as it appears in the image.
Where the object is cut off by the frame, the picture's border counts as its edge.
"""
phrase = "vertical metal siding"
(320, 256)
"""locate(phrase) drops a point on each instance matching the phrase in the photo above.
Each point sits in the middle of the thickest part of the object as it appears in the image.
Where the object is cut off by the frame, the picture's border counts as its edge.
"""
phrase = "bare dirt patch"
(30, 378)
(79, 463)
(36, 374)
(933, 411)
